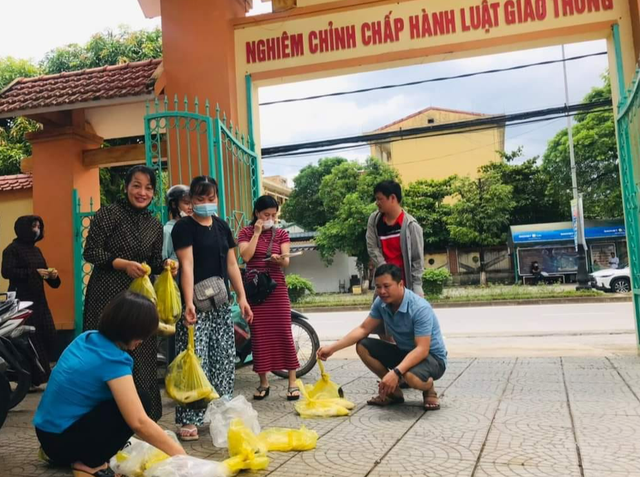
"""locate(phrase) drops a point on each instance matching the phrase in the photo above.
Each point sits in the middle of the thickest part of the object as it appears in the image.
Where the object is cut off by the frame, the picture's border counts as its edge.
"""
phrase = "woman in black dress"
(26, 269)
(121, 238)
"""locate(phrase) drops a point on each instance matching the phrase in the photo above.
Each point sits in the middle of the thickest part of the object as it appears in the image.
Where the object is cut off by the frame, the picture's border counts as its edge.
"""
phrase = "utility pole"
(576, 204)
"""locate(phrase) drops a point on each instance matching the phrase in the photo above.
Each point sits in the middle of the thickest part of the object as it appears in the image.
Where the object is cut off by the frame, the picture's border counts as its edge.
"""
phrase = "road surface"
(539, 330)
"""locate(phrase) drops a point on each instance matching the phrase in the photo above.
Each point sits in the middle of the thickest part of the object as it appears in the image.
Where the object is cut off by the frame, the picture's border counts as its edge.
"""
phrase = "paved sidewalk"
(499, 417)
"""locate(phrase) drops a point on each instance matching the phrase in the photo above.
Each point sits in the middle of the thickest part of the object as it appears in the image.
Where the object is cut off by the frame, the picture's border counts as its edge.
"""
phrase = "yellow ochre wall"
(438, 157)
(13, 204)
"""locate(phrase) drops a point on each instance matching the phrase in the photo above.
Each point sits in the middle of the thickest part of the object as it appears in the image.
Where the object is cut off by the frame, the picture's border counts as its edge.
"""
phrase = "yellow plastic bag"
(136, 458)
(324, 387)
(166, 330)
(286, 440)
(247, 451)
(169, 304)
(186, 382)
(143, 285)
(309, 407)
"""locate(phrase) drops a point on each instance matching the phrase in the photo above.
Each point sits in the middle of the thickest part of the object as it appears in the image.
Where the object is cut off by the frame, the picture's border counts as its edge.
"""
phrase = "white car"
(613, 280)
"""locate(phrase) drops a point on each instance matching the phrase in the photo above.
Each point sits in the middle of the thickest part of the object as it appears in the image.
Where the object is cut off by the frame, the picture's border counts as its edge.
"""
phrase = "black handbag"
(259, 285)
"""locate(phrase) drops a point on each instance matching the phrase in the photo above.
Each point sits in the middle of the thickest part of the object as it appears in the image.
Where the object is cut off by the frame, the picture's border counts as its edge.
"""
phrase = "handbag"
(211, 292)
(259, 285)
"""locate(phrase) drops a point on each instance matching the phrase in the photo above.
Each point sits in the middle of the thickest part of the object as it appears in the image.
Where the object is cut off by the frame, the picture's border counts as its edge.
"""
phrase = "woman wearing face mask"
(179, 204)
(204, 245)
(271, 338)
(26, 269)
(121, 238)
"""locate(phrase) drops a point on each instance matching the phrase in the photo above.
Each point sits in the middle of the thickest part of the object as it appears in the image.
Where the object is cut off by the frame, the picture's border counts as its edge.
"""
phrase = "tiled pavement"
(500, 417)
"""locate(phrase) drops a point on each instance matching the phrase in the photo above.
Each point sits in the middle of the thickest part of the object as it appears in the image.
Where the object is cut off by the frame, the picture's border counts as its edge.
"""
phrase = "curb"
(478, 304)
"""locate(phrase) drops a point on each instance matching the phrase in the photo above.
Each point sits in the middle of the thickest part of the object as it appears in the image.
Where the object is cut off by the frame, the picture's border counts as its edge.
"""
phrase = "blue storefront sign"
(568, 234)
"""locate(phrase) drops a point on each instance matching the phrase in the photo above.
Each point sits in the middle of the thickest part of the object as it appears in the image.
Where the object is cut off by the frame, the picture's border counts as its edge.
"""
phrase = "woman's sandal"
(100, 473)
(187, 434)
(262, 392)
(291, 396)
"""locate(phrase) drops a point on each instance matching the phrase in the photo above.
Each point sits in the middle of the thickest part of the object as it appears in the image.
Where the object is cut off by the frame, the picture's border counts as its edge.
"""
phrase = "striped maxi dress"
(271, 338)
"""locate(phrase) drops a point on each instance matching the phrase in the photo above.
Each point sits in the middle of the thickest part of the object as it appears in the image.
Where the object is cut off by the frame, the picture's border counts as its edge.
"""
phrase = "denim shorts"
(391, 356)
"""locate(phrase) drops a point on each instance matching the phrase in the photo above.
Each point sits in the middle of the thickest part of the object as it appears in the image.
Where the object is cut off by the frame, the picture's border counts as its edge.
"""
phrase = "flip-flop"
(389, 400)
(108, 472)
(263, 392)
(188, 434)
(291, 396)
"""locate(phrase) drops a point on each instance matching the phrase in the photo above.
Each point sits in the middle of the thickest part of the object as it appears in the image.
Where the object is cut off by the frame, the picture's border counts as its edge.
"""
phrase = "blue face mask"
(205, 210)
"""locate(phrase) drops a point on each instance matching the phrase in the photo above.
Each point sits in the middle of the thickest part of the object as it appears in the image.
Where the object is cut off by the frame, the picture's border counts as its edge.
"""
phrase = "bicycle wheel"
(306, 341)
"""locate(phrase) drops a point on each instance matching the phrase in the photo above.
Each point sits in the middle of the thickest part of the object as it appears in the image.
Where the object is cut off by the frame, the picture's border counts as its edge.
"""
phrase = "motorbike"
(16, 348)
(305, 339)
(5, 392)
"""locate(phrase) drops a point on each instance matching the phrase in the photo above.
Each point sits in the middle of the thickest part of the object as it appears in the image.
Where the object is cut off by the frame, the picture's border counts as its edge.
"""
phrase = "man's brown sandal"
(389, 400)
(431, 401)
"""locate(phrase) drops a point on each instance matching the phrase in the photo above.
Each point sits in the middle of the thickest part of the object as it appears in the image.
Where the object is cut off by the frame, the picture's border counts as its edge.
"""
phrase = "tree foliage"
(425, 200)
(103, 49)
(305, 207)
(347, 195)
(529, 183)
(596, 162)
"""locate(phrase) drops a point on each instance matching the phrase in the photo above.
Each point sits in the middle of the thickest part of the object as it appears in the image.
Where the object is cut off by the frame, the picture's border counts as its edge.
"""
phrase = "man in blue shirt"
(418, 354)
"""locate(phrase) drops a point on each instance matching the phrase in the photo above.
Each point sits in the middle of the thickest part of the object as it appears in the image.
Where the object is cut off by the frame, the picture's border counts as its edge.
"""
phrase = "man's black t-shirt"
(210, 246)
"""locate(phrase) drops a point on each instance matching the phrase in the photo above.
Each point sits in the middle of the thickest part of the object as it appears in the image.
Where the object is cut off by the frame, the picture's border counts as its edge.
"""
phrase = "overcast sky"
(56, 23)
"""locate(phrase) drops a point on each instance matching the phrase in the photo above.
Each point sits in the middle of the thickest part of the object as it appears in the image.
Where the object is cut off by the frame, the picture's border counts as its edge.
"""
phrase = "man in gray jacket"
(394, 236)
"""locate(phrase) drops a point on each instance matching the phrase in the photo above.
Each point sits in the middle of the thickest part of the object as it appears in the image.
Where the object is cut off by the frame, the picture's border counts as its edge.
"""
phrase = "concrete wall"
(13, 204)
(441, 156)
(324, 279)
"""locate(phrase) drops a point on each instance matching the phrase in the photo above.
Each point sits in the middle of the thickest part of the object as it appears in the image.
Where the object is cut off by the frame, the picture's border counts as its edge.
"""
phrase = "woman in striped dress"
(271, 338)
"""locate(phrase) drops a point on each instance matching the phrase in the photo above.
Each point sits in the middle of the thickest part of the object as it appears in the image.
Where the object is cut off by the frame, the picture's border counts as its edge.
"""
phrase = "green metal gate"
(181, 144)
(628, 128)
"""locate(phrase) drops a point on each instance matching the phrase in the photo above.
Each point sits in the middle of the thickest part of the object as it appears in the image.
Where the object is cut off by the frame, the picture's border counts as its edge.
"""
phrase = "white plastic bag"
(137, 456)
(187, 466)
(221, 412)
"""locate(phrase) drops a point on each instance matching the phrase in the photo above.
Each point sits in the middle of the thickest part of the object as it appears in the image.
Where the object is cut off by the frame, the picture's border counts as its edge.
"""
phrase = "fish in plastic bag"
(143, 285)
(186, 383)
(309, 407)
(169, 304)
(220, 414)
(188, 466)
(286, 440)
(137, 456)
(246, 450)
(324, 387)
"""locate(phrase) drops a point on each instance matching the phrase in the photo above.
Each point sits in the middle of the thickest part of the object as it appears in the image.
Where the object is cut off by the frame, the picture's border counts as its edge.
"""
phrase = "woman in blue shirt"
(91, 407)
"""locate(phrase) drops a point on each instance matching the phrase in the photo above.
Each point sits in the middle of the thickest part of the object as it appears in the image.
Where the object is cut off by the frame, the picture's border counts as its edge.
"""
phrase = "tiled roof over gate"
(55, 91)
(16, 182)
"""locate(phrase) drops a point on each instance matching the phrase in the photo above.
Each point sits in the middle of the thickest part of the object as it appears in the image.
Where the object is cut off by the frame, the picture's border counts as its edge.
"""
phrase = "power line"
(432, 80)
(473, 125)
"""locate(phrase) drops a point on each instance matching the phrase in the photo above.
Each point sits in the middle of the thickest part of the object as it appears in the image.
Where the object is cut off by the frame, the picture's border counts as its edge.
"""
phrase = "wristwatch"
(397, 371)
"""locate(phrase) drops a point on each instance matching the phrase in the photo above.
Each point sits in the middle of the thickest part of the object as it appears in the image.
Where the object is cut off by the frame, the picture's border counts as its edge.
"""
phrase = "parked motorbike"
(5, 391)
(305, 339)
(16, 349)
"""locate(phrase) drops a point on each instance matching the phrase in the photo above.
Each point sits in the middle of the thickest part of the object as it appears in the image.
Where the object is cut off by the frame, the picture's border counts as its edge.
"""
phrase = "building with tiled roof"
(437, 156)
(79, 89)
(16, 182)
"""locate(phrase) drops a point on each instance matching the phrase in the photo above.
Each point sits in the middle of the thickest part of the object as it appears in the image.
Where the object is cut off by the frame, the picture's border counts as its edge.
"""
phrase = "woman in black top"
(121, 238)
(26, 269)
(205, 248)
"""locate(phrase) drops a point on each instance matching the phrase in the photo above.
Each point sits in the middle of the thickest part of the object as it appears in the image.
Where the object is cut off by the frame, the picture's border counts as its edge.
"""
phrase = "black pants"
(93, 439)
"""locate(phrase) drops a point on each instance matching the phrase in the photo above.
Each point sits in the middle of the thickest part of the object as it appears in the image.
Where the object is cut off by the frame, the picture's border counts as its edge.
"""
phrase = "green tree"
(305, 207)
(12, 68)
(596, 162)
(532, 203)
(480, 214)
(348, 193)
(105, 48)
(424, 199)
